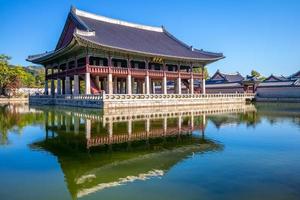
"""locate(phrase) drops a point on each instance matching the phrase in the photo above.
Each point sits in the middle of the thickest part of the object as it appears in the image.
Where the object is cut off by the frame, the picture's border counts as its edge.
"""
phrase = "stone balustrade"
(139, 100)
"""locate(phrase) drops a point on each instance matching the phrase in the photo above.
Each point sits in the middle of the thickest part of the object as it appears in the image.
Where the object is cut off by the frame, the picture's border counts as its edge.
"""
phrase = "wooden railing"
(104, 70)
(141, 72)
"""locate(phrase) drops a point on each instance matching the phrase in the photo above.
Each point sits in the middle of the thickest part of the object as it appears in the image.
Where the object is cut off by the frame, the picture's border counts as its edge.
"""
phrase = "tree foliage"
(14, 77)
(255, 74)
(199, 70)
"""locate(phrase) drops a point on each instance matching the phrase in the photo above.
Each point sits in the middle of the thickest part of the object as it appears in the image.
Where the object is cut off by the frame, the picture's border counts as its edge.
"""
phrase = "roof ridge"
(82, 13)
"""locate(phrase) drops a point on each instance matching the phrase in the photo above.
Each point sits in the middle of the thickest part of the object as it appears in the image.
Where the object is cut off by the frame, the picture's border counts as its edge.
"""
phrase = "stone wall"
(278, 92)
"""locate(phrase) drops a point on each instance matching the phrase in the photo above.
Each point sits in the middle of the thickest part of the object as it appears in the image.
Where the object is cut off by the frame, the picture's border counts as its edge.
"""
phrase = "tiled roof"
(137, 38)
(219, 77)
(123, 36)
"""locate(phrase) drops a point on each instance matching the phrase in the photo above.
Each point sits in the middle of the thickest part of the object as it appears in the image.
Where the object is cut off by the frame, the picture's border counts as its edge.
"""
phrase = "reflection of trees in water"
(272, 112)
(12, 120)
(279, 112)
(248, 118)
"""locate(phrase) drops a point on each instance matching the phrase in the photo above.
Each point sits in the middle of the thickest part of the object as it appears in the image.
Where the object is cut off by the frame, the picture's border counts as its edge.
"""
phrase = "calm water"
(239, 152)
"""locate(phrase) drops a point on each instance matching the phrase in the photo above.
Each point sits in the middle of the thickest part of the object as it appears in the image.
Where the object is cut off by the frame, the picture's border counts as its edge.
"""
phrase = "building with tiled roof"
(119, 57)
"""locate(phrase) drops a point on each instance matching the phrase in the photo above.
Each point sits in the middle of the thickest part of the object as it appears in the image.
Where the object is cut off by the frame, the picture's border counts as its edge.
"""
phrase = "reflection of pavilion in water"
(123, 125)
(125, 145)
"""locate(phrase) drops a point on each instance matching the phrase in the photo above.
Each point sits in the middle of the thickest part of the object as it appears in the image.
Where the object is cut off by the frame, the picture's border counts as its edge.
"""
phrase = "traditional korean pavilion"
(101, 54)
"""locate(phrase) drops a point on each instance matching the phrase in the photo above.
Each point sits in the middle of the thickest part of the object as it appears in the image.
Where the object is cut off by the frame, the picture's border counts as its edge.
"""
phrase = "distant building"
(279, 87)
(230, 83)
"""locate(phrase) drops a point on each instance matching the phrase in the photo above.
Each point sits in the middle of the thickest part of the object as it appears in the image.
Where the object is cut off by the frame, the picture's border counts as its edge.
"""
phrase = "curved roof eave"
(44, 58)
(207, 60)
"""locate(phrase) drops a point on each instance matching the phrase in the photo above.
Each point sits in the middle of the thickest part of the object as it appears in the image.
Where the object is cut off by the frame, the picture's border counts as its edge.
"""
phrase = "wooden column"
(178, 88)
(147, 83)
(164, 84)
(128, 84)
(128, 78)
(192, 84)
(87, 83)
(203, 81)
(109, 83)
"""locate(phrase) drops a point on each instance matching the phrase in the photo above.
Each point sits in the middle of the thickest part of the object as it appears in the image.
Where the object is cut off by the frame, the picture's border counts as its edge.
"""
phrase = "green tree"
(255, 74)
(199, 70)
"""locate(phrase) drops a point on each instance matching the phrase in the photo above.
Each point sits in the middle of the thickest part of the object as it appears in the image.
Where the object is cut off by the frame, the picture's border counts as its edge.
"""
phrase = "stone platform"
(138, 100)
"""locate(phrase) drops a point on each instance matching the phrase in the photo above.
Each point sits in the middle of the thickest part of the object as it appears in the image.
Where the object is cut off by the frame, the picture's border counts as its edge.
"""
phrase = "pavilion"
(96, 54)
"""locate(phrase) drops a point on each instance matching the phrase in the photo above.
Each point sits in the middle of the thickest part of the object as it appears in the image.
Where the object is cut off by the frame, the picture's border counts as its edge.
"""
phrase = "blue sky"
(253, 34)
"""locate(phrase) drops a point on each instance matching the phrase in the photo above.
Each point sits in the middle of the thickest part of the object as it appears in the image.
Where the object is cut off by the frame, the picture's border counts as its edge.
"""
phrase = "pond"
(215, 152)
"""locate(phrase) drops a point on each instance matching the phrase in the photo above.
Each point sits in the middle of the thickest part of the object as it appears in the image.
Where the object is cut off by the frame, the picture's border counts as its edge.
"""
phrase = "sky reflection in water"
(250, 152)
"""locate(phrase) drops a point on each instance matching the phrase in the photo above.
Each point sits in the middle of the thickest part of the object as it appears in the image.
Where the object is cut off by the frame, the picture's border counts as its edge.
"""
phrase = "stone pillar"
(76, 85)
(129, 127)
(179, 122)
(128, 84)
(46, 87)
(58, 87)
(76, 124)
(203, 86)
(87, 83)
(115, 85)
(67, 85)
(192, 121)
(192, 85)
(88, 127)
(52, 87)
(147, 125)
(178, 86)
(110, 129)
(164, 84)
(165, 125)
(147, 84)
(109, 84)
